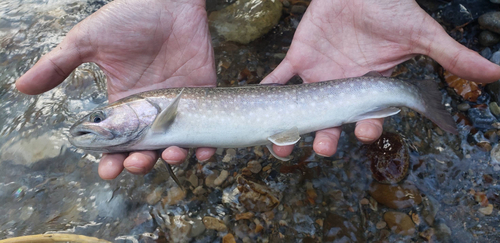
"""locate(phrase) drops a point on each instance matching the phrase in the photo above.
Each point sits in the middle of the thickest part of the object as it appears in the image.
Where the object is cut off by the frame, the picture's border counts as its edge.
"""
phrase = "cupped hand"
(140, 45)
(348, 38)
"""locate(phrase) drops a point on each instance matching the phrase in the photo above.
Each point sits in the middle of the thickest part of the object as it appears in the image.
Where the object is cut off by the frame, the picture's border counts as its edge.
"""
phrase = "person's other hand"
(140, 45)
(348, 38)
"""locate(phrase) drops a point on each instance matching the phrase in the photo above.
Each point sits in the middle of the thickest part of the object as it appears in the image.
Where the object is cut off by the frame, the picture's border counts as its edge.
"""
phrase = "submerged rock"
(395, 196)
(400, 223)
(339, 229)
(255, 197)
(488, 38)
(490, 21)
(389, 158)
(245, 21)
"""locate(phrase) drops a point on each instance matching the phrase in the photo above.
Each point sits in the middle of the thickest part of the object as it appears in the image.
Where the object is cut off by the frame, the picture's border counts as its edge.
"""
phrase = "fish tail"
(434, 110)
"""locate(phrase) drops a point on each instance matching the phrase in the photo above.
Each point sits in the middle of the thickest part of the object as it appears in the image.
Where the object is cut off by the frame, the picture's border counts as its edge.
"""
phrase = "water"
(47, 186)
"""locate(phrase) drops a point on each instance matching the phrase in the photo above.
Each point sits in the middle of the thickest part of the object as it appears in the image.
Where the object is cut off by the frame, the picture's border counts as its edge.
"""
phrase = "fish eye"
(97, 117)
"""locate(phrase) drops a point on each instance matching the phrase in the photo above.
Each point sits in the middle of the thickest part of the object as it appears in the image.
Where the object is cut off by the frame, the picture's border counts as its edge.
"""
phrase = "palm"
(347, 38)
(148, 46)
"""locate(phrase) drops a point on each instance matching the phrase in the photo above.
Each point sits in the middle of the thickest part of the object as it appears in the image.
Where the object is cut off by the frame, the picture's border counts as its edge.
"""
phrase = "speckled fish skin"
(230, 117)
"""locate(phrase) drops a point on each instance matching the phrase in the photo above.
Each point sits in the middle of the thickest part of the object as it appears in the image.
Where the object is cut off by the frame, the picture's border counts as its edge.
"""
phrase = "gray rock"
(486, 53)
(463, 106)
(495, 58)
(490, 21)
(488, 38)
(495, 1)
(494, 108)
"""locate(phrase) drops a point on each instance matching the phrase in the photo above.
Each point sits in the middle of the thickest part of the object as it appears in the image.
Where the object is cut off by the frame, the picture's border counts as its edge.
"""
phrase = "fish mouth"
(84, 132)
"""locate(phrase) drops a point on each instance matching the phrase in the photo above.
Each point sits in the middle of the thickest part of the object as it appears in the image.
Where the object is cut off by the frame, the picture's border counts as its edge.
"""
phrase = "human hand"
(348, 38)
(140, 45)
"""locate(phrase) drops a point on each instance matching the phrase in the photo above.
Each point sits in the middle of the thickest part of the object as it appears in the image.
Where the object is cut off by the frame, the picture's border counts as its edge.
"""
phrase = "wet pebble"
(197, 228)
(210, 180)
(389, 158)
(221, 178)
(193, 179)
(443, 232)
(155, 196)
(229, 238)
(490, 21)
(230, 154)
(174, 196)
(179, 228)
(486, 53)
(400, 223)
(215, 197)
(339, 229)
(495, 110)
(254, 166)
(199, 191)
(488, 210)
(395, 196)
(255, 197)
(495, 58)
(214, 223)
(481, 117)
(430, 209)
(495, 155)
(245, 21)
(463, 106)
(381, 225)
(488, 38)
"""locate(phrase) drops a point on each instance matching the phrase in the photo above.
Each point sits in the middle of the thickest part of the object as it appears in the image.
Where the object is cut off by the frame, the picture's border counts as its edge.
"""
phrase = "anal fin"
(288, 137)
(377, 113)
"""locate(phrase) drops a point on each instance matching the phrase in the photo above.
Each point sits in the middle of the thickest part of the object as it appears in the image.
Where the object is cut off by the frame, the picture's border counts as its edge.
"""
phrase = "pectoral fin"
(372, 74)
(288, 137)
(270, 147)
(379, 113)
(167, 116)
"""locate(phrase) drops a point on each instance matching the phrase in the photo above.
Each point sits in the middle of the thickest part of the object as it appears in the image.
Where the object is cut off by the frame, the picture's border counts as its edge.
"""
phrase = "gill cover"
(105, 127)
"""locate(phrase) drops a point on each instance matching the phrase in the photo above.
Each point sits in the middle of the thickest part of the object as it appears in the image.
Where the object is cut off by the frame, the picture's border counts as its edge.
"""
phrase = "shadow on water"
(47, 186)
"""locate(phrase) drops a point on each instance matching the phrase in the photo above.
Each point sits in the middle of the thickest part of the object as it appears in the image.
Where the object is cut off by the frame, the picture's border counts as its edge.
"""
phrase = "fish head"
(105, 128)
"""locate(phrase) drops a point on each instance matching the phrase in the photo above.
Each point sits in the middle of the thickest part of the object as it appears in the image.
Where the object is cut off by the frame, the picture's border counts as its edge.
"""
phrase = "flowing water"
(47, 186)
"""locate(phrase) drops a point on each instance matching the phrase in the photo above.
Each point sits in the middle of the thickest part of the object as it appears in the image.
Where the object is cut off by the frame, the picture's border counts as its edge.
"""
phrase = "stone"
(400, 223)
(214, 223)
(495, 155)
(381, 225)
(488, 38)
(197, 228)
(229, 238)
(495, 110)
(210, 180)
(395, 196)
(254, 166)
(230, 154)
(245, 21)
(495, 58)
(486, 53)
(174, 196)
(430, 209)
(490, 21)
(463, 106)
(339, 229)
(255, 197)
(221, 178)
(488, 210)
(495, 1)
(155, 196)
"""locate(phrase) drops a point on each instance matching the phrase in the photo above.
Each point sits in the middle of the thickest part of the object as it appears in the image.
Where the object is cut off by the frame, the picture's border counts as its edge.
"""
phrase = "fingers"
(367, 131)
(140, 162)
(204, 154)
(460, 60)
(51, 69)
(111, 165)
(174, 155)
(281, 74)
(326, 141)
(282, 151)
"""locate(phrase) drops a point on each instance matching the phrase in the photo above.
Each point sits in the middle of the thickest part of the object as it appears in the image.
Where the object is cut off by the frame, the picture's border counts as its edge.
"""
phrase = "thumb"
(281, 74)
(52, 68)
(460, 60)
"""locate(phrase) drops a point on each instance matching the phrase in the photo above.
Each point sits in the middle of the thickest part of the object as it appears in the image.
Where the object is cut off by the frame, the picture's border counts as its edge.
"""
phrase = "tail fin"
(434, 110)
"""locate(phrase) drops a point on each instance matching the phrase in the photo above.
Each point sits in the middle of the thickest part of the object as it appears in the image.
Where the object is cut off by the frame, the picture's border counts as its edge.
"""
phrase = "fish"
(252, 115)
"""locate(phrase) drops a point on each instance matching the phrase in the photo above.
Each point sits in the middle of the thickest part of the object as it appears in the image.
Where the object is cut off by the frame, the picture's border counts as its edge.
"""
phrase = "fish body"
(230, 117)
